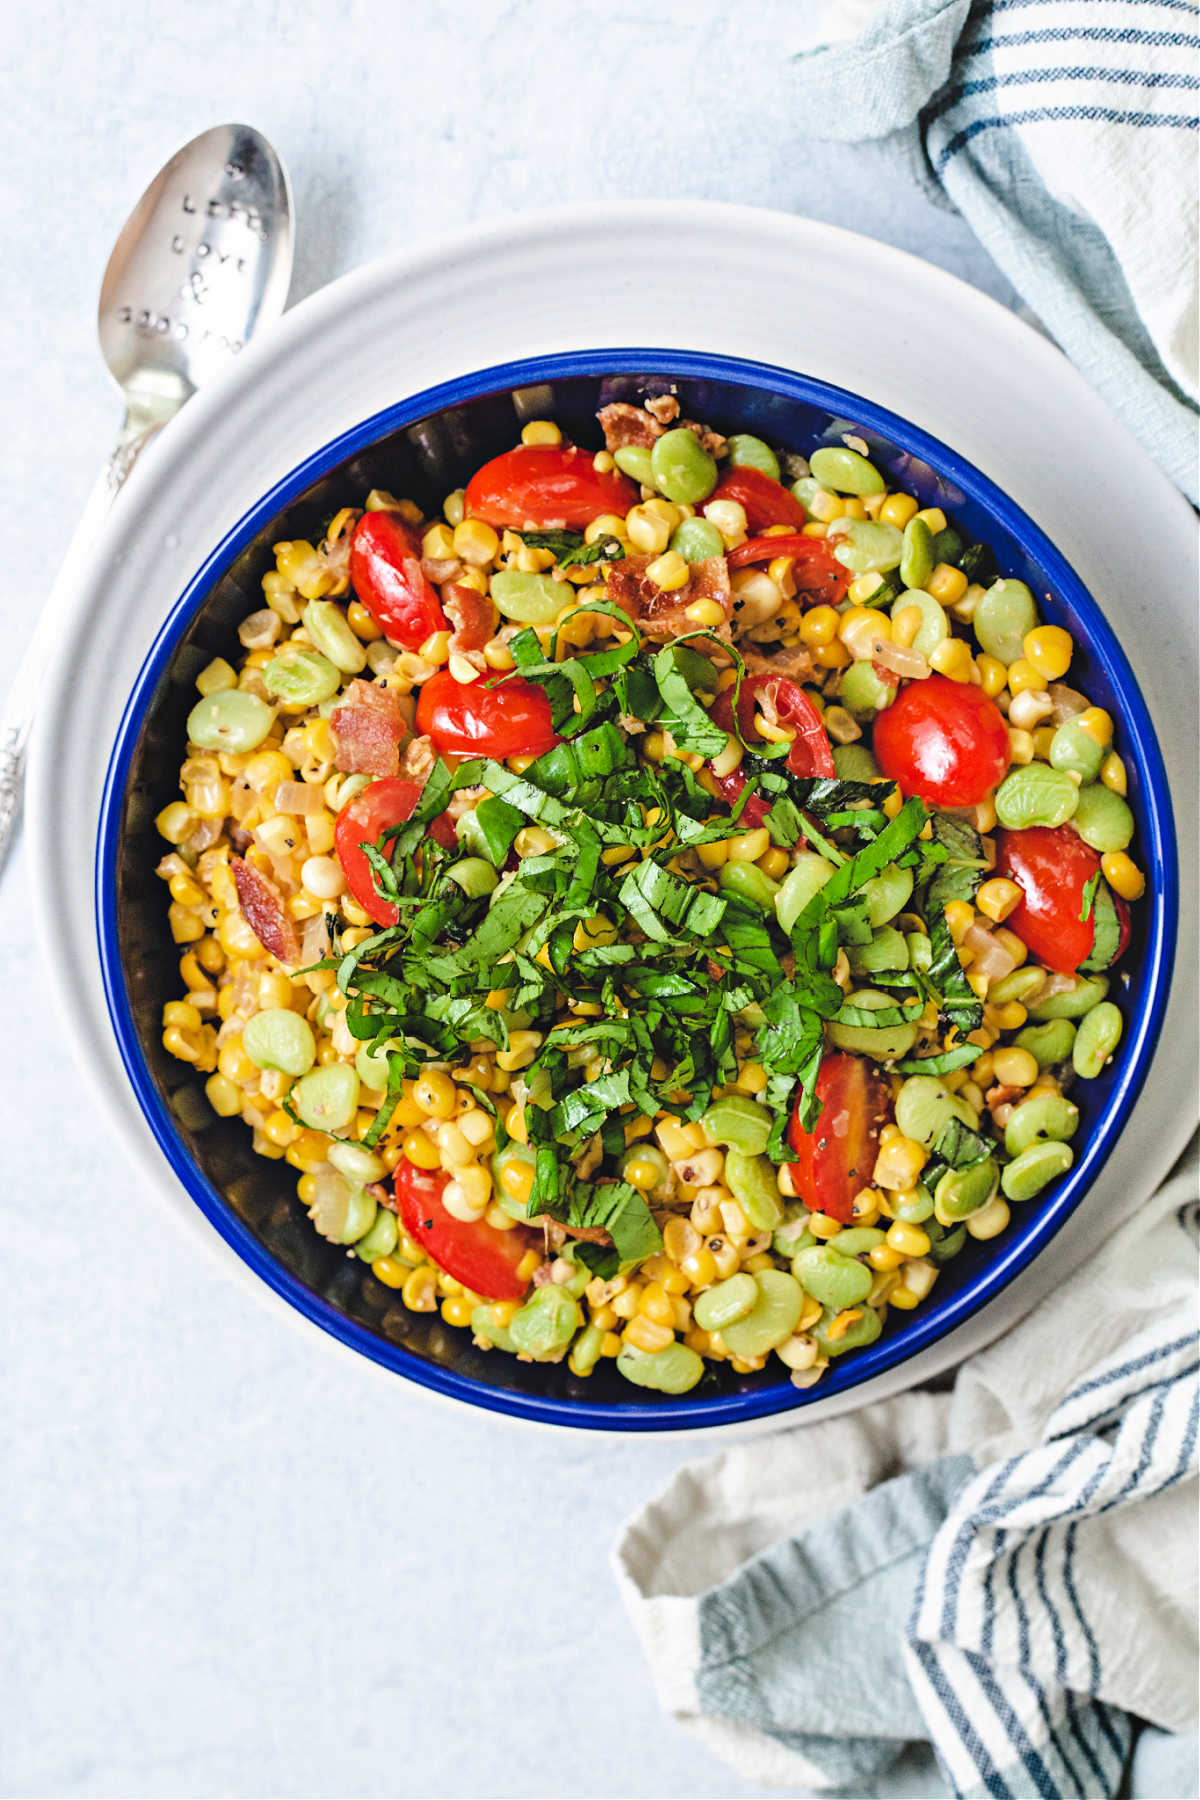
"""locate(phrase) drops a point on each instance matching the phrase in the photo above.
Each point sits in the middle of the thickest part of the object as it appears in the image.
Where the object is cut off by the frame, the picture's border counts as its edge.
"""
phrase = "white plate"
(685, 276)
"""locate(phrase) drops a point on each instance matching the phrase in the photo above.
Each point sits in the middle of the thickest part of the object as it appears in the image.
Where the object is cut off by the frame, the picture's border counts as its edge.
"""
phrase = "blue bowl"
(425, 446)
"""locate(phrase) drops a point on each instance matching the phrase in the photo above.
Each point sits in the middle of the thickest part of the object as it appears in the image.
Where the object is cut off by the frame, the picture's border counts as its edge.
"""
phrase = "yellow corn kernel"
(181, 1015)
(522, 1048)
(678, 1141)
(438, 543)
(990, 1220)
(420, 1149)
(223, 1096)
(713, 856)
(434, 1093)
(1009, 1017)
(774, 863)
(625, 1304)
(993, 675)
(669, 572)
(642, 1172)
(899, 1163)
(893, 804)
(864, 587)
(1098, 724)
(700, 1267)
(822, 1226)
(748, 846)
(534, 840)
(909, 1240)
(174, 822)
(819, 626)
(649, 1334)
(680, 1239)
(1022, 676)
(947, 584)
(647, 531)
(706, 613)
(898, 509)
(866, 1206)
(654, 1302)
(216, 677)
(516, 1178)
(831, 656)
(476, 543)
(541, 431)
(1020, 746)
(1014, 1067)
(391, 1271)
(934, 517)
(952, 658)
(1048, 649)
(457, 1309)
(825, 507)
(1043, 737)
(515, 1125)
(902, 1298)
(419, 1291)
(860, 628)
(1112, 773)
(998, 898)
(611, 1345)
(885, 1257)
(1123, 875)
(960, 916)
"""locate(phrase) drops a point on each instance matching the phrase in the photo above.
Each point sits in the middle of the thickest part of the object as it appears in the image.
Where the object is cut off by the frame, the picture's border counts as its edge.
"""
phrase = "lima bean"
(863, 545)
(546, 1323)
(856, 1240)
(854, 762)
(356, 1162)
(961, 1192)
(834, 1280)
(278, 1038)
(1003, 617)
(887, 949)
(230, 720)
(672, 1370)
(924, 1108)
(696, 540)
(887, 894)
(845, 471)
(882, 1041)
(1096, 1039)
(862, 693)
(806, 878)
(772, 1319)
(861, 1331)
(1073, 1002)
(528, 599)
(916, 564)
(749, 883)
(485, 1324)
(1040, 1116)
(634, 460)
(682, 468)
(301, 677)
(1018, 985)
(752, 1182)
(747, 452)
(738, 1121)
(325, 623)
(1074, 749)
(1029, 1173)
(726, 1303)
(587, 1350)
(341, 1212)
(1102, 819)
(1036, 794)
(380, 1240)
(327, 1099)
(1050, 1043)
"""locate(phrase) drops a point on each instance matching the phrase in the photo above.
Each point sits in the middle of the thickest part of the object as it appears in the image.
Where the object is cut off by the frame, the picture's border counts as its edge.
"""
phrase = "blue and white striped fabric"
(986, 1592)
(1065, 133)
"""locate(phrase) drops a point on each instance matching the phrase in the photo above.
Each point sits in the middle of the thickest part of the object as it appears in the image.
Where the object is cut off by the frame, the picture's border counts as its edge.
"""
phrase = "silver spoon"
(202, 263)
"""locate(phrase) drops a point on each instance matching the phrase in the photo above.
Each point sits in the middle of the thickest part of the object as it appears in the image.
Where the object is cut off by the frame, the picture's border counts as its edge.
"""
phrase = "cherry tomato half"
(1052, 866)
(546, 485)
(811, 752)
(820, 577)
(835, 1160)
(764, 501)
(383, 804)
(493, 717)
(386, 574)
(944, 740)
(483, 1258)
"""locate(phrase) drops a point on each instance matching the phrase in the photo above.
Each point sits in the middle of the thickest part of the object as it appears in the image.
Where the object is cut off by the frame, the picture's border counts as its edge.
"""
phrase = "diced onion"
(900, 660)
(300, 797)
(988, 958)
(1066, 701)
(260, 630)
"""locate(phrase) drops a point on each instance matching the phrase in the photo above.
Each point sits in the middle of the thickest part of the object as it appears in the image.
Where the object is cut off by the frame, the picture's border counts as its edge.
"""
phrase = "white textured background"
(231, 1562)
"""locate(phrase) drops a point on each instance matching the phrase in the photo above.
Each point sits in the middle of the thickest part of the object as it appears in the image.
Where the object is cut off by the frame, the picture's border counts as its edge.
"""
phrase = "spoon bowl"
(203, 260)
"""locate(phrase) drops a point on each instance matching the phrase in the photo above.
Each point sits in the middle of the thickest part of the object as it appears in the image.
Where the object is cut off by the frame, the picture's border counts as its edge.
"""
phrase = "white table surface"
(234, 1562)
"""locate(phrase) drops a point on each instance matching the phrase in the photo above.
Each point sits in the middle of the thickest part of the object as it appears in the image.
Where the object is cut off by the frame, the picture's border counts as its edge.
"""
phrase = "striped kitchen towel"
(989, 1591)
(1065, 132)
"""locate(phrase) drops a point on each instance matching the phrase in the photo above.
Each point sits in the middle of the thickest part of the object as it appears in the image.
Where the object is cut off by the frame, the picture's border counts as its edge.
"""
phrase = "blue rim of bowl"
(925, 1327)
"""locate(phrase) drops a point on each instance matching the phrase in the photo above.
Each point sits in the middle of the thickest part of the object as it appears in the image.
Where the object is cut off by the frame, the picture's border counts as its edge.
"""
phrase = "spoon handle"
(16, 720)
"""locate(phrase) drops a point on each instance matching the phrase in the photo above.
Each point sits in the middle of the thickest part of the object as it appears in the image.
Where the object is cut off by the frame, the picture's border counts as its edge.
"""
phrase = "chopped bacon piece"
(557, 1233)
(664, 408)
(665, 615)
(473, 620)
(417, 759)
(791, 660)
(262, 907)
(367, 729)
(623, 424)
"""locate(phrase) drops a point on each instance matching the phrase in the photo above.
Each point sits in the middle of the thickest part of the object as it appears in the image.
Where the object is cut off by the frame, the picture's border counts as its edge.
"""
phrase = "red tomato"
(385, 573)
(820, 577)
(835, 1160)
(944, 740)
(546, 485)
(811, 752)
(765, 502)
(384, 803)
(494, 717)
(1052, 866)
(474, 1252)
